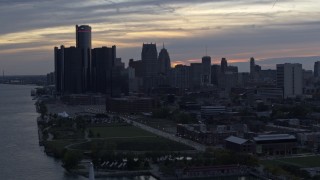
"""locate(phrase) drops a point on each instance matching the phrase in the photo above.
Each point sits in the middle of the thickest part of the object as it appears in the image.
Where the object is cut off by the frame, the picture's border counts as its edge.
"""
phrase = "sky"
(234, 29)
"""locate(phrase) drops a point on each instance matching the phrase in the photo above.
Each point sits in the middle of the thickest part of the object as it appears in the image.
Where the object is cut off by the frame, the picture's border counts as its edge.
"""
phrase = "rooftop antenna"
(274, 3)
(206, 50)
(163, 45)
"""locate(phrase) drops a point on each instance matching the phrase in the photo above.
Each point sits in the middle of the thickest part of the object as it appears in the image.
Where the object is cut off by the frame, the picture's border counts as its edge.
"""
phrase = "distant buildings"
(83, 69)
(149, 58)
(317, 69)
(69, 69)
(240, 145)
(254, 70)
(206, 70)
(267, 145)
(224, 65)
(195, 75)
(131, 104)
(289, 78)
(50, 78)
(215, 74)
(276, 144)
(102, 65)
(180, 77)
(164, 61)
(164, 67)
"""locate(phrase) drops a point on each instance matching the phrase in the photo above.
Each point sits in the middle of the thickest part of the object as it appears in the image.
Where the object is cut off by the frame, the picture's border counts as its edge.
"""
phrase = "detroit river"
(21, 157)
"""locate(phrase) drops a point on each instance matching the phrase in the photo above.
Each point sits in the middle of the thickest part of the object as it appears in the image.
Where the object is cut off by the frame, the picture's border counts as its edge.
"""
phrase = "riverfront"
(21, 156)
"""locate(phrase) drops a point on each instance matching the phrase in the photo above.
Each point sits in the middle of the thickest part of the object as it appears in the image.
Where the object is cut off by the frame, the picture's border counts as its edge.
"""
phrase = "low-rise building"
(275, 144)
(200, 133)
(241, 145)
(209, 111)
(130, 104)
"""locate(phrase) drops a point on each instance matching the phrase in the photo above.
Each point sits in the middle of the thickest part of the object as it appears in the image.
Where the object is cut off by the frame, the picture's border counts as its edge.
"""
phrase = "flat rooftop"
(274, 137)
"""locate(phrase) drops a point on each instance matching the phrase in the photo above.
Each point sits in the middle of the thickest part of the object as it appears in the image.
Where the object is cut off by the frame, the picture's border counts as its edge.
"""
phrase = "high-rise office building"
(149, 58)
(233, 69)
(215, 74)
(83, 42)
(180, 77)
(164, 61)
(252, 68)
(83, 36)
(69, 70)
(195, 75)
(102, 62)
(164, 67)
(206, 70)
(137, 66)
(77, 72)
(317, 69)
(289, 78)
(224, 65)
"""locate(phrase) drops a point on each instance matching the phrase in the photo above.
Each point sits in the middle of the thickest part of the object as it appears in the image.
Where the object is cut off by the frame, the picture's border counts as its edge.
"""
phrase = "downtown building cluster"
(80, 69)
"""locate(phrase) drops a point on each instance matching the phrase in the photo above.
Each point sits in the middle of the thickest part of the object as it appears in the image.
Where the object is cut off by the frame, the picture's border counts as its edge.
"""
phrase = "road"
(172, 137)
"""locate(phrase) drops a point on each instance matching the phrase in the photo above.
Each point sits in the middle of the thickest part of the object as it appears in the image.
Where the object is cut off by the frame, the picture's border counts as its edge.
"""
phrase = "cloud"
(236, 29)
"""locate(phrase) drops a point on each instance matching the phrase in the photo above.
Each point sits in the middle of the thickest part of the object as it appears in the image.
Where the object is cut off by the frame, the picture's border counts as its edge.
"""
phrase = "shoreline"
(103, 174)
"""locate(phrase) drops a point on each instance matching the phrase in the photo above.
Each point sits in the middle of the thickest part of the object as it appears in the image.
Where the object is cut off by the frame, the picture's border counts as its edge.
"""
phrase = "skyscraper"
(83, 42)
(224, 65)
(206, 70)
(252, 68)
(317, 69)
(180, 77)
(195, 75)
(149, 58)
(289, 78)
(215, 74)
(164, 61)
(164, 67)
(83, 36)
(69, 70)
(102, 63)
(76, 72)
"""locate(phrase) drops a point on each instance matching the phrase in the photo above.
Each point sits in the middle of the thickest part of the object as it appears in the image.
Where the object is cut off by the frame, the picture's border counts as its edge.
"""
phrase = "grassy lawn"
(57, 146)
(130, 138)
(66, 133)
(135, 144)
(303, 162)
(119, 131)
(162, 124)
(119, 137)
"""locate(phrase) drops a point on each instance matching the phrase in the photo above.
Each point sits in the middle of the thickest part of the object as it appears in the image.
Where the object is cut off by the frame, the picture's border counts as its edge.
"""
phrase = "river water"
(21, 157)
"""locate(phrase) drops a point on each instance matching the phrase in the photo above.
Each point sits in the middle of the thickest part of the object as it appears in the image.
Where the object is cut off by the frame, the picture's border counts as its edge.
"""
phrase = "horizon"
(243, 66)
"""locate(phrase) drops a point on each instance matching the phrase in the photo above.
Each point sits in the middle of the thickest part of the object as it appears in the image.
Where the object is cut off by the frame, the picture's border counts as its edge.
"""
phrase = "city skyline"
(236, 30)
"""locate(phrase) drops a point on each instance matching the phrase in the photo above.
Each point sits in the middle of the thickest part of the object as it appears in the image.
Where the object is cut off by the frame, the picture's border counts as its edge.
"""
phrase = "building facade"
(69, 68)
(102, 63)
(317, 69)
(149, 58)
(289, 78)
(206, 70)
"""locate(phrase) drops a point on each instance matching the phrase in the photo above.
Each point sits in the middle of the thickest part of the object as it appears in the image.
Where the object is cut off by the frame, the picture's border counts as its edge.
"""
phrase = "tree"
(91, 135)
(161, 113)
(71, 159)
(43, 109)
